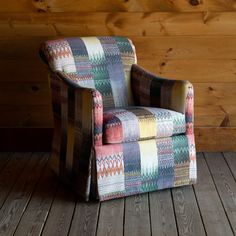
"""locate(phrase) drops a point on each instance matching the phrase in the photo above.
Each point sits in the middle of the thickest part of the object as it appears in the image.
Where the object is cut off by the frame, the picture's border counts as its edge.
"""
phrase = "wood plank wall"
(182, 39)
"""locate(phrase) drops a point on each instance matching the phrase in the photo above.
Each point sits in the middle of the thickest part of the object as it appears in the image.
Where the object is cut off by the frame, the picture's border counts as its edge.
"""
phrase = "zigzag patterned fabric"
(144, 166)
(138, 123)
(101, 63)
(118, 129)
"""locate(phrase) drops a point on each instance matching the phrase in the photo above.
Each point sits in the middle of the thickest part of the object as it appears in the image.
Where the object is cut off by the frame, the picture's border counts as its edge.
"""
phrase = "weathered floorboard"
(187, 212)
(111, 218)
(84, 222)
(225, 184)
(230, 158)
(61, 213)
(36, 203)
(137, 218)
(213, 214)
(162, 214)
(11, 173)
(19, 197)
(36, 213)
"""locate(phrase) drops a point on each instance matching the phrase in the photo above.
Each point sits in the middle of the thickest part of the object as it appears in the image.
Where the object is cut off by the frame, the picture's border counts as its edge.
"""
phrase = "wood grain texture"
(213, 214)
(215, 116)
(24, 93)
(61, 212)
(215, 93)
(34, 212)
(35, 215)
(185, 47)
(225, 184)
(117, 23)
(230, 158)
(10, 173)
(137, 219)
(26, 116)
(126, 6)
(85, 219)
(196, 70)
(215, 139)
(187, 212)
(148, 47)
(221, 5)
(102, 5)
(111, 218)
(23, 70)
(162, 213)
(16, 202)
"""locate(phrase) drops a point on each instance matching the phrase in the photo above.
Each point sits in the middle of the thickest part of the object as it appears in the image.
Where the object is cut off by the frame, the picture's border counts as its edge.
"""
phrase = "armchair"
(118, 129)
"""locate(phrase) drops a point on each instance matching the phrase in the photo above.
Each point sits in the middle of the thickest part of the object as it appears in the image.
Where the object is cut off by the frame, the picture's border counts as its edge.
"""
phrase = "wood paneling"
(172, 47)
(182, 39)
(185, 47)
(213, 214)
(196, 70)
(215, 116)
(221, 5)
(118, 23)
(113, 6)
(27, 93)
(15, 70)
(103, 5)
(215, 139)
(20, 115)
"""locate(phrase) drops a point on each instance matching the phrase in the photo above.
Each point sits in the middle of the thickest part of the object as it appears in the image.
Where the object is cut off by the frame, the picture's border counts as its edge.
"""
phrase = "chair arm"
(88, 108)
(151, 90)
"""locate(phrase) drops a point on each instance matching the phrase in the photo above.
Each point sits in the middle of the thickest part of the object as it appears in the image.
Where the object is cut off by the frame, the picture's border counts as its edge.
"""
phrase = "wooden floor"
(33, 202)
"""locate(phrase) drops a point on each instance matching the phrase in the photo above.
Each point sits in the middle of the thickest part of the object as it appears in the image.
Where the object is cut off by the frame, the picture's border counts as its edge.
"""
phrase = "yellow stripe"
(147, 127)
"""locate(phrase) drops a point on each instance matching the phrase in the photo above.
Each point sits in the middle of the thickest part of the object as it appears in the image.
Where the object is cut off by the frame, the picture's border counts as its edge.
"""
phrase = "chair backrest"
(103, 63)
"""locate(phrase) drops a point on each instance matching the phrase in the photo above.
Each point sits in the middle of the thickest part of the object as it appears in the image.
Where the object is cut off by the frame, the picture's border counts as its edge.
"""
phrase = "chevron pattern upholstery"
(138, 123)
(118, 129)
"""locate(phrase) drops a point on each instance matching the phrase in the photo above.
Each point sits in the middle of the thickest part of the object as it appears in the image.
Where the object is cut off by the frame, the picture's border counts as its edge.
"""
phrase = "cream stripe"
(148, 155)
(94, 47)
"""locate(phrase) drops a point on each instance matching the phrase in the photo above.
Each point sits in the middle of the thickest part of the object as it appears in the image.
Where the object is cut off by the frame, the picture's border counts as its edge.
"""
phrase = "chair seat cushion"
(121, 125)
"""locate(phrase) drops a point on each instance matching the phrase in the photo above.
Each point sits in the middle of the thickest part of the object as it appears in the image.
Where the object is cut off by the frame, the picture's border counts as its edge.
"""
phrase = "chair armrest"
(151, 90)
(88, 108)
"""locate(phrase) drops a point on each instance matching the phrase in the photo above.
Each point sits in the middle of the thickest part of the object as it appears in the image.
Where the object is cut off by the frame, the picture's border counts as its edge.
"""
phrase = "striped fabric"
(150, 90)
(132, 124)
(101, 63)
(118, 130)
(144, 166)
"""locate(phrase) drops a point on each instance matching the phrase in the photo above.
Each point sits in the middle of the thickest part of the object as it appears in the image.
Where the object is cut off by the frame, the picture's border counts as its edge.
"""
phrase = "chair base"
(120, 170)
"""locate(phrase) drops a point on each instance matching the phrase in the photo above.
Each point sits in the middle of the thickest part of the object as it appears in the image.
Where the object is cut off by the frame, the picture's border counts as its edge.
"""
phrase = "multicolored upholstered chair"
(119, 130)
